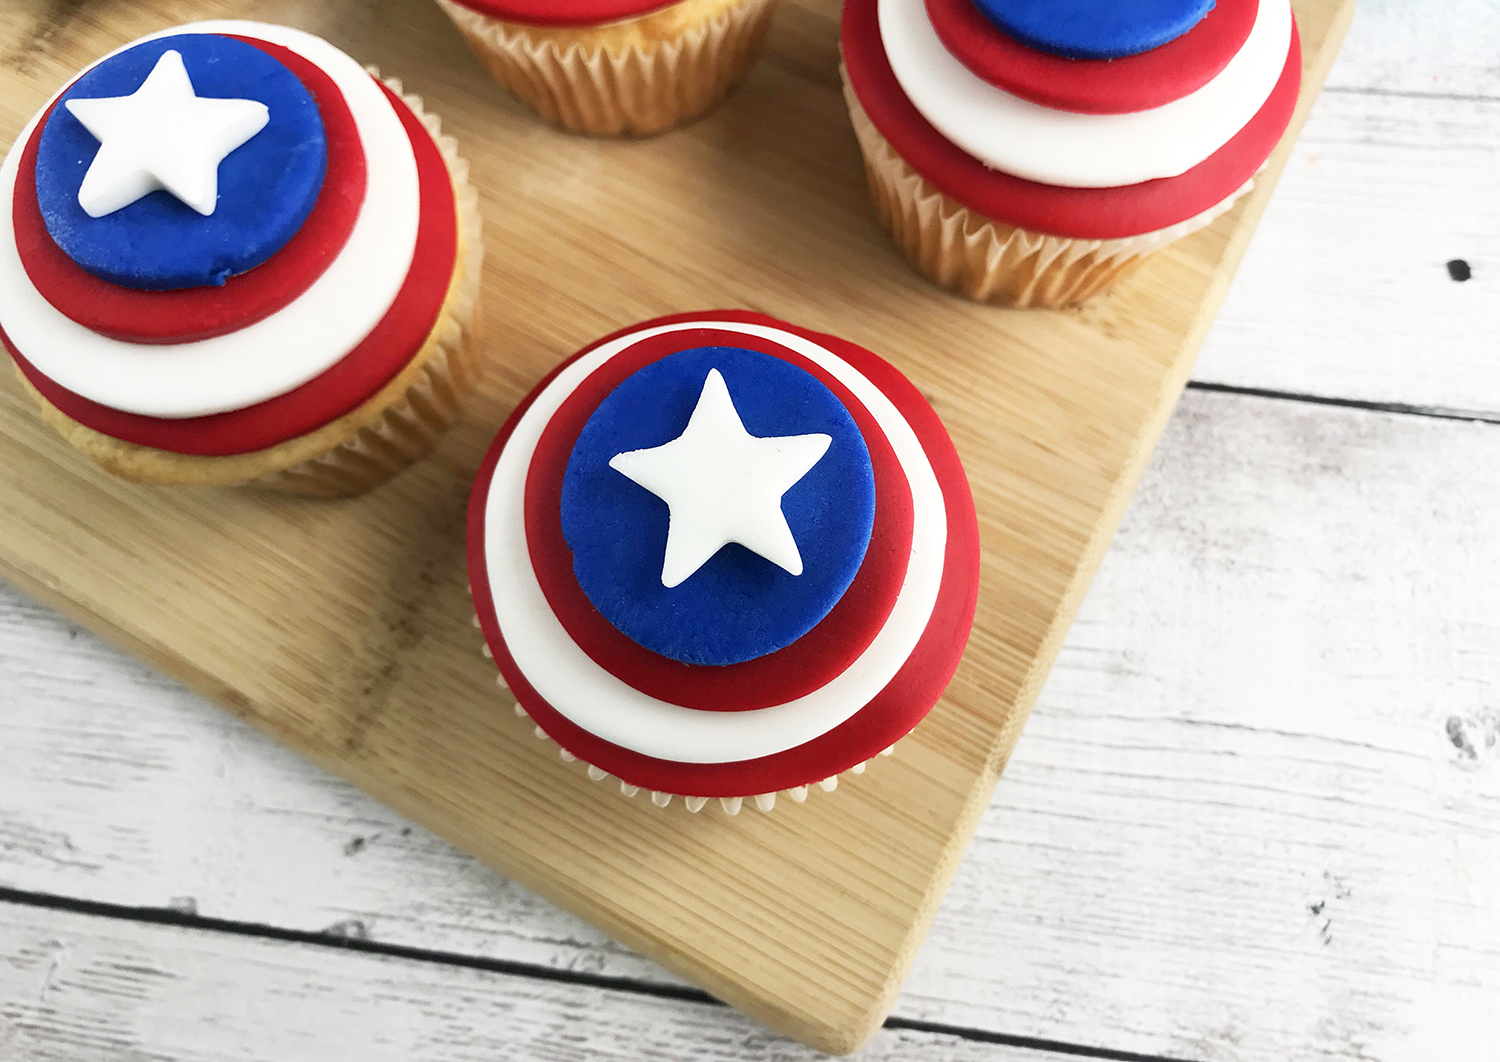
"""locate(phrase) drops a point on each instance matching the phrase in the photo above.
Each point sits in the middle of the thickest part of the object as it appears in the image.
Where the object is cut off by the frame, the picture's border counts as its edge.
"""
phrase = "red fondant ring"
(889, 717)
(1078, 213)
(813, 660)
(1099, 86)
(354, 379)
(191, 314)
(565, 12)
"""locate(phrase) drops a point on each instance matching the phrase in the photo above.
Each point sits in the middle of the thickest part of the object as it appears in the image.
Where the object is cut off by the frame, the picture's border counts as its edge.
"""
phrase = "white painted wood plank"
(1256, 815)
(75, 988)
(1345, 290)
(1451, 48)
(1257, 812)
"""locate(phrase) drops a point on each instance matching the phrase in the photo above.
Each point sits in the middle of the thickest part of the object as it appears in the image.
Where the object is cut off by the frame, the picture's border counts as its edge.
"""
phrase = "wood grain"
(342, 629)
(79, 989)
(1252, 817)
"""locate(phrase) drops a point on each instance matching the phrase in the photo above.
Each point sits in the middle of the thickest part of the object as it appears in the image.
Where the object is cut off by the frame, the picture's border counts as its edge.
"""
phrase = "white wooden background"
(1255, 816)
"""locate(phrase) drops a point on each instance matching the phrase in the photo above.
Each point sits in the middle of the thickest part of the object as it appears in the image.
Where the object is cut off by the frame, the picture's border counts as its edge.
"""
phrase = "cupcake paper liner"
(585, 87)
(729, 805)
(367, 446)
(987, 260)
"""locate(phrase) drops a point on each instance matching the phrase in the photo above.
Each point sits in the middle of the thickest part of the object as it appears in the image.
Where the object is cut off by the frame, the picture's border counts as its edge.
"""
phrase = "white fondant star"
(162, 136)
(723, 485)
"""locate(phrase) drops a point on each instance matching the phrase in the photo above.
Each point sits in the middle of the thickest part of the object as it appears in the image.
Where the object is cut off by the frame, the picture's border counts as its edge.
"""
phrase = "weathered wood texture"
(81, 989)
(1253, 817)
(1443, 49)
(1346, 290)
(343, 631)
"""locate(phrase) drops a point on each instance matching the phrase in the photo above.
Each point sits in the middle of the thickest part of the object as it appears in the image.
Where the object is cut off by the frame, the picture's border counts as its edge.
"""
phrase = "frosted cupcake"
(611, 67)
(717, 556)
(232, 256)
(1032, 154)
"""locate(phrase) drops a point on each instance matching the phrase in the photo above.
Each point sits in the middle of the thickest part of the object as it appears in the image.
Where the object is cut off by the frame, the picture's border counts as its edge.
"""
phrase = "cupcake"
(720, 556)
(232, 256)
(613, 67)
(1032, 154)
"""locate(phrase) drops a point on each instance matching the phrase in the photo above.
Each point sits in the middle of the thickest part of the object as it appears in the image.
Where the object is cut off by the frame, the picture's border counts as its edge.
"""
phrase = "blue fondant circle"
(739, 605)
(1094, 29)
(267, 186)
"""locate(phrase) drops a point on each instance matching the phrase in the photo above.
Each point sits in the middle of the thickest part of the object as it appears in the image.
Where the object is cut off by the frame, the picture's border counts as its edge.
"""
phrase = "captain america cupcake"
(1034, 152)
(718, 556)
(233, 256)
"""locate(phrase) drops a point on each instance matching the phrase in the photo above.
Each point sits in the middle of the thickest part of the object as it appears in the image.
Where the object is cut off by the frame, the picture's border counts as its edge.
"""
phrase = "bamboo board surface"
(343, 629)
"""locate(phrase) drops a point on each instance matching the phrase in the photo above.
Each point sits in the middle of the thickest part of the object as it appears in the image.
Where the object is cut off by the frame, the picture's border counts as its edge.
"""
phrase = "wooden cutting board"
(344, 628)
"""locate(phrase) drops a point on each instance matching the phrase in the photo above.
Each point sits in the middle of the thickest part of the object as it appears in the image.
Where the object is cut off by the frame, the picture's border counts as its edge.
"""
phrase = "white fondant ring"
(589, 696)
(274, 355)
(1071, 150)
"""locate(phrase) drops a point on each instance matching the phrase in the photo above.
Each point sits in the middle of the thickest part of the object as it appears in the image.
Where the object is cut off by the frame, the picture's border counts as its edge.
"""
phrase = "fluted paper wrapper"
(366, 447)
(638, 91)
(987, 260)
(731, 805)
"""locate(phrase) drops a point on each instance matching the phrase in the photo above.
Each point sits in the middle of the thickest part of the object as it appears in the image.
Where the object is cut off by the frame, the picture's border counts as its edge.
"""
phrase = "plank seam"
(166, 916)
(1401, 408)
(1034, 1043)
